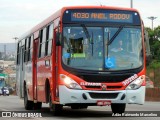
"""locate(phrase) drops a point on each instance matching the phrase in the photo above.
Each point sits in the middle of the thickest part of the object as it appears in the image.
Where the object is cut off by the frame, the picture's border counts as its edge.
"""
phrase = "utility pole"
(152, 18)
(5, 56)
(131, 3)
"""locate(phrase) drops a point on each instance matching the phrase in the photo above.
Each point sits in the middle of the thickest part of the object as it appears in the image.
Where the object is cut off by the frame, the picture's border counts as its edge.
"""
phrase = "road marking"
(2, 109)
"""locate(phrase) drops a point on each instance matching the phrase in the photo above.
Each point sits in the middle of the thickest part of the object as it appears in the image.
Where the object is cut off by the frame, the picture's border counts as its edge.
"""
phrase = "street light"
(152, 18)
(15, 38)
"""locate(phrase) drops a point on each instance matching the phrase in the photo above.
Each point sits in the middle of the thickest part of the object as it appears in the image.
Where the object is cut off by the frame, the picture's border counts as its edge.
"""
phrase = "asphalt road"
(13, 103)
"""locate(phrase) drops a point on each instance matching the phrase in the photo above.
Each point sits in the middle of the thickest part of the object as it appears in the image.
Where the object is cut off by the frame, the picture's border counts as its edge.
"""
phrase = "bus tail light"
(137, 83)
(69, 82)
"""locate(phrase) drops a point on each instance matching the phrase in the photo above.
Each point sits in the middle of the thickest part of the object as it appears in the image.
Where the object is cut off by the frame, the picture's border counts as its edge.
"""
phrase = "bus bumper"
(69, 96)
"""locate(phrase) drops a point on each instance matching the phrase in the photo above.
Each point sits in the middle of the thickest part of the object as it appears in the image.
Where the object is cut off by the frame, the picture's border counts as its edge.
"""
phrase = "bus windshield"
(102, 48)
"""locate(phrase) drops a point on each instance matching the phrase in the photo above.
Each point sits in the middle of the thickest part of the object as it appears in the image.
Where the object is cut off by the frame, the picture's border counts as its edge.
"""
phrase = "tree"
(157, 33)
(154, 40)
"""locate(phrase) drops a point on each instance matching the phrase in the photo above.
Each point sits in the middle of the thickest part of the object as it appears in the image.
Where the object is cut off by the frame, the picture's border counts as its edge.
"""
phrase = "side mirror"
(58, 36)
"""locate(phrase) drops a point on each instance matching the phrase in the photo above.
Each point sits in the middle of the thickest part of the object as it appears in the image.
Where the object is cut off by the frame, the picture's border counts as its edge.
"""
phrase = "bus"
(83, 56)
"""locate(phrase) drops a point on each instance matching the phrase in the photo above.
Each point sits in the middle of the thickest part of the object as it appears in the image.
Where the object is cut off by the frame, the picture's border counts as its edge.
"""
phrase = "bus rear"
(102, 58)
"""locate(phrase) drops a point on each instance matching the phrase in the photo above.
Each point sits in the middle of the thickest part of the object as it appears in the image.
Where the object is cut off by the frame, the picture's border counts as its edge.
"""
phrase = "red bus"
(83, 56)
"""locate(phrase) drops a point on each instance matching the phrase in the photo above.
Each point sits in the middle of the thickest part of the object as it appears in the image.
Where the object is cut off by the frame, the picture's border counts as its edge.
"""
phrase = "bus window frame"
(49, 38)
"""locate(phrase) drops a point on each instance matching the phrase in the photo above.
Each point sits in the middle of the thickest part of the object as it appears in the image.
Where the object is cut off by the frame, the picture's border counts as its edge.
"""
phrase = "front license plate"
(103, 102)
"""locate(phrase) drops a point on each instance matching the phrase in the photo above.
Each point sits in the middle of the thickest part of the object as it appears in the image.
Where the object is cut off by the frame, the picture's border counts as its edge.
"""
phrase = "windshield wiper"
(88, 35)
(115, 35)
(92, 43)
(86, 31)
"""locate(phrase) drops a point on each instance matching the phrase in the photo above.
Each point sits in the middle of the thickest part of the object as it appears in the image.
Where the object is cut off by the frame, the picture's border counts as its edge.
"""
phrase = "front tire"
(118, 108)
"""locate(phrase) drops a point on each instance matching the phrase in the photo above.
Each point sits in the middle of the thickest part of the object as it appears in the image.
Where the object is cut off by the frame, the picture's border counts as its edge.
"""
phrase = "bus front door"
(21, 72)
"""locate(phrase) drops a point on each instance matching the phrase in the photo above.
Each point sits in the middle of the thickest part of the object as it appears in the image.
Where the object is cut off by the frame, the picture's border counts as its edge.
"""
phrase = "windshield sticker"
(110, 62)
(78, 55)
(129, 80)
(90, 84)
(67, 55)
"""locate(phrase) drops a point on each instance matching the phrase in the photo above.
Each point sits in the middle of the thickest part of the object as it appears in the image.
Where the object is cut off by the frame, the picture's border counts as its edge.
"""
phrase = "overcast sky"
(18, 16)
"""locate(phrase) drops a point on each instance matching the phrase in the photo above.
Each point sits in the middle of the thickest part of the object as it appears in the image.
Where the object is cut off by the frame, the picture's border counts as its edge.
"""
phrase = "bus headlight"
(136, 83)
(69, 82)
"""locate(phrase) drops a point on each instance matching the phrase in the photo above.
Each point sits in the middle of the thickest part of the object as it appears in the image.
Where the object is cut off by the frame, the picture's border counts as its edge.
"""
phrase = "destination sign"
(101, 16)
(106, 17)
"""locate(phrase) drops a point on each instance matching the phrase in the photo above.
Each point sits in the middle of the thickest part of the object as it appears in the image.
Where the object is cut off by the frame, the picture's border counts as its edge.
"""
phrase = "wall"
(153, 94)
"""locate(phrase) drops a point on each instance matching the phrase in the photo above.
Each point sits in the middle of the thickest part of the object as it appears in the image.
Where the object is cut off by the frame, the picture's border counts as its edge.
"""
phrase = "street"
(13, 103)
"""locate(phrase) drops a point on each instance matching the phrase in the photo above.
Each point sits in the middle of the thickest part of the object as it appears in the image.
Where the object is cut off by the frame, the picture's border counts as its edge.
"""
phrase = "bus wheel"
(118, 108)
(37, 106)
(27, 103)
(54, 108)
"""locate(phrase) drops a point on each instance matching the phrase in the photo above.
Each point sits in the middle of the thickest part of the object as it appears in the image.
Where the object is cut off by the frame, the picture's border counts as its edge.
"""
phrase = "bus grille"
(103, 95)
(105, 78)
(100, 87)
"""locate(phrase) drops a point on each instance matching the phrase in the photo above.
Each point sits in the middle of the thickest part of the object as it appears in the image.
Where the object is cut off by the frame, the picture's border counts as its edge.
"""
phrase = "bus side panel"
(43, 73)
(41, 80)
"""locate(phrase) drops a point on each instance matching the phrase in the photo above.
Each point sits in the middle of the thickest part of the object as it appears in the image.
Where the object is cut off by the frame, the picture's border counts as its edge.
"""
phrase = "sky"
(19, 16)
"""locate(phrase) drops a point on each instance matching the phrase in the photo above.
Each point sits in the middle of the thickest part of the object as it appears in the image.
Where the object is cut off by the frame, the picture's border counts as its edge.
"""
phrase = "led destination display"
(108, 17)
(101, 16)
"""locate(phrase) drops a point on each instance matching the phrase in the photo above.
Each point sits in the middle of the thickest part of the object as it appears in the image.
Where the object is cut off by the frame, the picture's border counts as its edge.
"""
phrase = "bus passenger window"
(18, 54)
(51, 32)
(40, 43)
(26, 50)
(49, 37)
(42, 49)
(30, 48)
(44, 35)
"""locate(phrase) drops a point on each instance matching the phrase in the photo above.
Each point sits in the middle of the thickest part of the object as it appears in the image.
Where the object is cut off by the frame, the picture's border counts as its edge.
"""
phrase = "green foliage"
(154, 40)
(154, 65)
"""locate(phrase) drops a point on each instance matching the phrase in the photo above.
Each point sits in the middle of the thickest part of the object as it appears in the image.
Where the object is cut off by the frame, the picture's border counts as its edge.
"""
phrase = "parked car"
(149, 83)
(11, 90)
(5, 91)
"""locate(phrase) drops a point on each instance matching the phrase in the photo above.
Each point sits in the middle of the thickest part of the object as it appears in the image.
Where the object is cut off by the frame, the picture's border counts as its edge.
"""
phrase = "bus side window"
(30, 48)
(49, 37)
(43, 43)
(18, 54)
(40, 42)
(26, 50)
